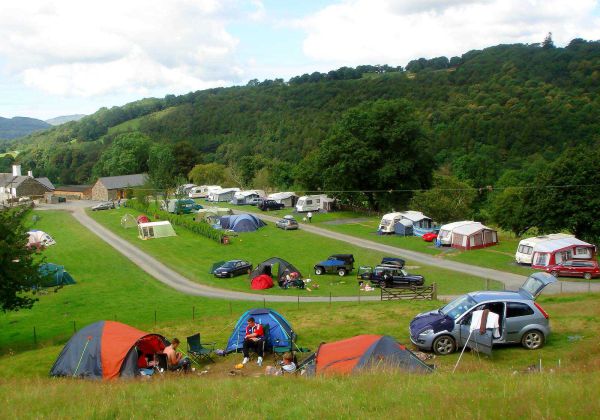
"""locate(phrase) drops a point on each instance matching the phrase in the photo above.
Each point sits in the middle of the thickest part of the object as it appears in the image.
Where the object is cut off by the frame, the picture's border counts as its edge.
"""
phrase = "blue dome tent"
(241, 223)
(280, 330)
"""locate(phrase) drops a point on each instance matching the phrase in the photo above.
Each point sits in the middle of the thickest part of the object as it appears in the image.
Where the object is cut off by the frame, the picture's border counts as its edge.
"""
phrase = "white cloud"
(94, 47)
(354, 32)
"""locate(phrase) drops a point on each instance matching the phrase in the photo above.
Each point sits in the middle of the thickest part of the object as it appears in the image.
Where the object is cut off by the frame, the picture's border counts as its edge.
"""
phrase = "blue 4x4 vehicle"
(338, 263)
(521, 320)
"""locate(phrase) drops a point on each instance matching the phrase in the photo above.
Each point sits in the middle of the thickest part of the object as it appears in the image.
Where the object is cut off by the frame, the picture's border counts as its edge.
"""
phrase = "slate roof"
(11, 181)
(123, 181)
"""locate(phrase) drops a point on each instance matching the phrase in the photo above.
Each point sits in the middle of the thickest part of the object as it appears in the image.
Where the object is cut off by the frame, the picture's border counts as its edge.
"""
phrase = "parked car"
(287, 223)
(390, 274)
(267, 205)
(341, 264)
(430, 236)
(233, 268)
(104, 206)
(255, 201)
(522, 320)
(575, 268)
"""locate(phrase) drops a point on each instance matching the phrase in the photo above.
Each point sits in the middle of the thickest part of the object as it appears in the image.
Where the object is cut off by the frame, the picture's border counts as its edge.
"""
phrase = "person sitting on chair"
(288, 365)
(175, 359)
(253, 339)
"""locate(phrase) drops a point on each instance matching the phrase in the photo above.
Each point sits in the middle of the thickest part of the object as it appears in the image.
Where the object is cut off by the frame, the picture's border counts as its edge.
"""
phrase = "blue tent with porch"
(241, 223)
(280, 331)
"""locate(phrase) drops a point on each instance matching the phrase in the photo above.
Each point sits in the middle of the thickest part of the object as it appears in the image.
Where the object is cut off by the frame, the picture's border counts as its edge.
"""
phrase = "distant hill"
(12, 128)
(65, 119)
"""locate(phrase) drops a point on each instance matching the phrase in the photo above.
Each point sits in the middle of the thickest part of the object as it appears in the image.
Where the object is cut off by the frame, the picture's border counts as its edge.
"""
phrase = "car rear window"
(514, 309)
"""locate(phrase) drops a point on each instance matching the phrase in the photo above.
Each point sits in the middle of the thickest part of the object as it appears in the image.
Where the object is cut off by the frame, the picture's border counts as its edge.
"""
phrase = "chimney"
(30, 174)
(16, 170)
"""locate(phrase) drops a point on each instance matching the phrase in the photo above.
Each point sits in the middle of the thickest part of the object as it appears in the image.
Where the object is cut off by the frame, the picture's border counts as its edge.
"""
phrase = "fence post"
(298, 300)
(434, 292)
(34, 337)
(193, 313)
(155, 317)
(230, 309)
(74, 327)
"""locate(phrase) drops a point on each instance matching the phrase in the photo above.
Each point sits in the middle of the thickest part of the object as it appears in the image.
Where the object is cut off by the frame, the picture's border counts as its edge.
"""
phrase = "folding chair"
(197, 351)
(280, 347)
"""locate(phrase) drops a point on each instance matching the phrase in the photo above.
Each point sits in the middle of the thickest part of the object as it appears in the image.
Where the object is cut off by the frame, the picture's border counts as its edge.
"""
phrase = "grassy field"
(109, 285)
(193, 255)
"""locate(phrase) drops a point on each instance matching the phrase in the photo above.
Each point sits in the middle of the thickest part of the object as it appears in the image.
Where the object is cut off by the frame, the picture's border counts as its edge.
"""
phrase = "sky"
(61, 57)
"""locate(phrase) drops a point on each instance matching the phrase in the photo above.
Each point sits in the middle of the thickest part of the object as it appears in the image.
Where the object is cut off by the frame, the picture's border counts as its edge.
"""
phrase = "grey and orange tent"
(364, 352)
(106, 350)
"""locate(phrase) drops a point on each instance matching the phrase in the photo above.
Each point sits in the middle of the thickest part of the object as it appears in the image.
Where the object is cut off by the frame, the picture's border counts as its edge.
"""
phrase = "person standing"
(309, 216)
(255, 335)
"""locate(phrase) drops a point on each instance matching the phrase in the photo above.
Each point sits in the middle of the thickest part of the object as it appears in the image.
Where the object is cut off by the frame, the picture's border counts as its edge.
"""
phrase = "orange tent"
(365, 351)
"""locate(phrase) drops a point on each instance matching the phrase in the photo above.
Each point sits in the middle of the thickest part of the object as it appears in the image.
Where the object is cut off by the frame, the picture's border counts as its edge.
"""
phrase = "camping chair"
(197, 351)
(280, 347)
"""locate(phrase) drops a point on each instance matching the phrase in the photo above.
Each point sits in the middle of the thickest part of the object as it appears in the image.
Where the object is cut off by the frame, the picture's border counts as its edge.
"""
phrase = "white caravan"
(524, 254)
(311, 203)
(202, 191)
(388, 222)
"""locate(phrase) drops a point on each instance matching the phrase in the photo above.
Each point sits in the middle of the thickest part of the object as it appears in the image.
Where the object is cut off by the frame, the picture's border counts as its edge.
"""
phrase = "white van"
(202, 191)
(310, 203)
(524, 254)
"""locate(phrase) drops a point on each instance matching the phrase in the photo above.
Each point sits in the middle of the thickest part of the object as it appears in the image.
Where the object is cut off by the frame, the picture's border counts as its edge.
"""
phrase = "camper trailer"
(241, 198)
(202, 191)
(222, 195)
(313, 203)
(524, 254)
(287, 198)
(445, 235)
(388, 222)
(421, 224)
(556, 251)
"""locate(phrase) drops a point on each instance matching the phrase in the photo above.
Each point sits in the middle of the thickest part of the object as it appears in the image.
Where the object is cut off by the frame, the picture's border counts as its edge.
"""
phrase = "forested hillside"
(475, 119)
(12, 128)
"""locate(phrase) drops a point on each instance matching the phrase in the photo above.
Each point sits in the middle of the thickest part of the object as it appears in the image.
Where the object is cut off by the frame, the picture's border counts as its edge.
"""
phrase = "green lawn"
(192, 255)
(109, 285)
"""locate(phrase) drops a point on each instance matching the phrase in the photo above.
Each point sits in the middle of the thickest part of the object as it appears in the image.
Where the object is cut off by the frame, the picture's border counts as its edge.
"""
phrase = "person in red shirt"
(253, 339)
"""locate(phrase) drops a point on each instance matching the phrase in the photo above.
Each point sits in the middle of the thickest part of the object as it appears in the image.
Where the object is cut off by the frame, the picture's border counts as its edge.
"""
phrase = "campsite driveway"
(178, 282)
(511, 281)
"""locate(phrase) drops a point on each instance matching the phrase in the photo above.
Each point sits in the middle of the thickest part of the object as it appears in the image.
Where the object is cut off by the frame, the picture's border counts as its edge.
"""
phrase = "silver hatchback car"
(521, 320)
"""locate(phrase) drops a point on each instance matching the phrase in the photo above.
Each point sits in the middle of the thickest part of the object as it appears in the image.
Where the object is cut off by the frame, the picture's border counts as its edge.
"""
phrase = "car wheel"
(587, 276)
(318, 271)
(554, 273)
(444, 345)
(532, 340)
(341, 272)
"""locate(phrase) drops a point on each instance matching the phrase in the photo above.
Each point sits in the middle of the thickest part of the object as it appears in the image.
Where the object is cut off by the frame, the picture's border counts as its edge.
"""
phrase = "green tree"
(209, 174)
(20, 267)
(568, 196)
(161, 167)
(448, 200)
(186, 157)
(376, 146)
(128, 154)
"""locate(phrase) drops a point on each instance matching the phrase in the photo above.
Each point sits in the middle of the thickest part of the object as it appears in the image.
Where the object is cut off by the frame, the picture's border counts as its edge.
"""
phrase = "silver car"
(521, 320)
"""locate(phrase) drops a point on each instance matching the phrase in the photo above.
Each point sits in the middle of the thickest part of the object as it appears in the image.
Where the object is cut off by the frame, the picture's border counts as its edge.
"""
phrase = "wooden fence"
(410, 293)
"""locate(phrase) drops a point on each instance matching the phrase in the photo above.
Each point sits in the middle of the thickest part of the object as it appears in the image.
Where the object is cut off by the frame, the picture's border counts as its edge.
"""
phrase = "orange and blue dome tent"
(106, 350)
(365, 352)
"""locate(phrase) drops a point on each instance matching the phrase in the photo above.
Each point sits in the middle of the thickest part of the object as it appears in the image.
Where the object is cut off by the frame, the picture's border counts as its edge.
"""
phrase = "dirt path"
(511, 281)
(178, 282)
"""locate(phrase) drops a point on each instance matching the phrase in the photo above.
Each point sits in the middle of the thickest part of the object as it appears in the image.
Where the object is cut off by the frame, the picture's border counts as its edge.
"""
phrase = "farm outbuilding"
(473, 236)
(557, 251)
(74, 192)
(113, 187)
(14, 185)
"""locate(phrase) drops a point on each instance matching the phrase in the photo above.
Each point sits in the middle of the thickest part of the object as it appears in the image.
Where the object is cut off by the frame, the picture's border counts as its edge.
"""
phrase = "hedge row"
(188, 223)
